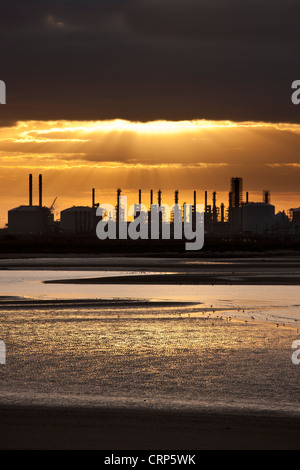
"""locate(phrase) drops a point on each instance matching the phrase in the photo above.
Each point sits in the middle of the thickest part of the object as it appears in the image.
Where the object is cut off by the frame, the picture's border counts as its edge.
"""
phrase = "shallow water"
(154, 357)
(266, 303)
(232, 349)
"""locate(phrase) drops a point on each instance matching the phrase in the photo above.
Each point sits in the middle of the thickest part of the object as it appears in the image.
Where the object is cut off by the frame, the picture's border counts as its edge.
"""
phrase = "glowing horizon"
(75, 156)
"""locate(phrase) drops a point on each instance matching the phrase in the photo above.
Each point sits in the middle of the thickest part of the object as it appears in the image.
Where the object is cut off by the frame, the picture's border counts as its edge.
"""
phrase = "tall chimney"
(205, 207)
(230, 206)
(40, 191)
(176, 196)
(30, 190)
(118, 215)
(222, 212)
(151, 197)
(118, 199)
(214, 198)
(214, 207)
(266, 197)
(140, 196)
(247, 197)
(159, 197)
(93, 197)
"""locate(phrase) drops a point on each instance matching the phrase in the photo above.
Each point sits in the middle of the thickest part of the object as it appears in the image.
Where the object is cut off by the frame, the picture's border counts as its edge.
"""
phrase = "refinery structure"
(241, 216)
(36, 219)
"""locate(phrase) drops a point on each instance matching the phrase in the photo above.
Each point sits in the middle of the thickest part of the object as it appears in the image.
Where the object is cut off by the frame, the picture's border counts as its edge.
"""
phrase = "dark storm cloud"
(149, 59)
(217, 19)
(17, 15)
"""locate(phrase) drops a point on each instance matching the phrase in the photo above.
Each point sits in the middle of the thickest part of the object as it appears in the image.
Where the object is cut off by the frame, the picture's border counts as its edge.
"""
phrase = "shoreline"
(8, 302)
(63, 428)
(77, 424)
(234, 314)
(165, 271)
(45, 420)
(185, 279)
(140, 260)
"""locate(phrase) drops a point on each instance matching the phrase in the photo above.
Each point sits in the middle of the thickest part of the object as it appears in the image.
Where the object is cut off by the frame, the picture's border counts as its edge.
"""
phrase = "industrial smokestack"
(118, 209)
(247, 197)
(214, 207)
(30, 190)
(93, 197)
(140, 196)
(222, 212)
(176, 196)
(266, 197)
(230, 207)
(151, 197)
(195, 200)
(205, 206)
(214, 199)
(159, 197)
(40, 191)
(118, 202)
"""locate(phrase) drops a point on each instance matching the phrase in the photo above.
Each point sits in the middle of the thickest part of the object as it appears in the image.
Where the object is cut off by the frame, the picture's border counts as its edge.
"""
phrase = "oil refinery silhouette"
(243, 225)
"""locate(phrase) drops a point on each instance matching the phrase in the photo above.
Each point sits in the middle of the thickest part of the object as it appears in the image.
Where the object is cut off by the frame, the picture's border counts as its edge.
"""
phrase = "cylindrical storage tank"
(258, 217)
(296, 216)
(78, 219)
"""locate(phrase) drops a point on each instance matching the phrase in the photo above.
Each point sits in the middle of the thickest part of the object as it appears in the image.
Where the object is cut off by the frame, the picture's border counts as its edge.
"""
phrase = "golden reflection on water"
(175, 353)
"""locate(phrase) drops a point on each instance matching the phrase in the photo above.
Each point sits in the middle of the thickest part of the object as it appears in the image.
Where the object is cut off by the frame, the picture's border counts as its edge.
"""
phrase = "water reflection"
(280, 303)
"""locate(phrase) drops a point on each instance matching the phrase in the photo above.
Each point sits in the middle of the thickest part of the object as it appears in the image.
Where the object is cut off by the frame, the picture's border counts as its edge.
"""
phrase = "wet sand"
(168, 271)
(189, 279)
(135, 429)
(13, 303)
(279, 264)
(124, 428)
(81, 425)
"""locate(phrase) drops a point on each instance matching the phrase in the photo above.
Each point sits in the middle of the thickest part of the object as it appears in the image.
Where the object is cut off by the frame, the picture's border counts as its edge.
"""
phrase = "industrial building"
(237, 191)
(296, 216)
(258, 217)
(31, 219)
(79, 219)
(240, 217)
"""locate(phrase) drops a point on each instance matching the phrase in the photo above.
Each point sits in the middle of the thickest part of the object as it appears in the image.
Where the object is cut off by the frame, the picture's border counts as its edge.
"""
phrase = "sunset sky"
(149, 94)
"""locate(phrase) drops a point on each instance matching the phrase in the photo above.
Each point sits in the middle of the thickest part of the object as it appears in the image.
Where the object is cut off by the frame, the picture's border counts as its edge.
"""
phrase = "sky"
(168, 94)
